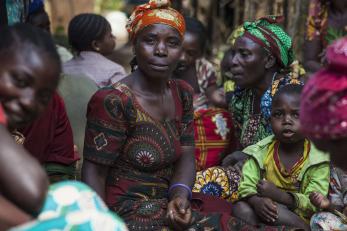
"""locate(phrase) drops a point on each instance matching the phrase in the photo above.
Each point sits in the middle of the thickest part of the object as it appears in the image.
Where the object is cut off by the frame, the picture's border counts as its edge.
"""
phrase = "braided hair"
(85, 28)
(26, 38)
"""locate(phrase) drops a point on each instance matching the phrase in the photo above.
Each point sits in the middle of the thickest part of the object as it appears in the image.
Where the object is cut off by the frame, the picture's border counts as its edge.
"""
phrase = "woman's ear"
(270, 61)
(95, 46)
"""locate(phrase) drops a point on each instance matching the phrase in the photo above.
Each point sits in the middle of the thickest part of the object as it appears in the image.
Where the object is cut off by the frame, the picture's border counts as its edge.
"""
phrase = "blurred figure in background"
(90, 35)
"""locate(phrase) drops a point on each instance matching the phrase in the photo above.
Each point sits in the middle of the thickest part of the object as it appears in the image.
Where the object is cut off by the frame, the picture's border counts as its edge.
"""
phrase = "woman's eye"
(20, 81)
(149, 40)
(244, 54)
(174, 43)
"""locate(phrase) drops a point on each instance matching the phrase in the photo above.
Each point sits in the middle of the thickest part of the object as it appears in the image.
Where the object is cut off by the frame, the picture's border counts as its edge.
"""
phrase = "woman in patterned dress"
(139, 145)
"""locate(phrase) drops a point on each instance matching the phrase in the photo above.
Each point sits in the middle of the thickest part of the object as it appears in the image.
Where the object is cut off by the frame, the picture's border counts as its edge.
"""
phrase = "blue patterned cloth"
(15, 11)
(72, 205)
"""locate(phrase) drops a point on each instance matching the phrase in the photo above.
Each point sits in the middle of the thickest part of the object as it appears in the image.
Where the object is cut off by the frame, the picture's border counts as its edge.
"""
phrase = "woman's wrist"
(180, 190)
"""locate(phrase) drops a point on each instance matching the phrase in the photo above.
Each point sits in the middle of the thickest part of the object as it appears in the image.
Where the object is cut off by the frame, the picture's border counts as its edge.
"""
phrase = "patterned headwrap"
(267, 33)
(324, 99)
(155, 11)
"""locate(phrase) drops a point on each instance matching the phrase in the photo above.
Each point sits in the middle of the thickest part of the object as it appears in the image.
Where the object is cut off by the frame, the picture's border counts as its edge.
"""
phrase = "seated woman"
(260, 63)
(139, 146)
(90, 35)
(212, 123)
(324, 120)
(282, 170)
(326, 22)
(29, 75)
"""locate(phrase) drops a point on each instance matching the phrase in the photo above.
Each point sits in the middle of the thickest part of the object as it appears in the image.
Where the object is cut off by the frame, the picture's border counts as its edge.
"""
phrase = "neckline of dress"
(140, 107)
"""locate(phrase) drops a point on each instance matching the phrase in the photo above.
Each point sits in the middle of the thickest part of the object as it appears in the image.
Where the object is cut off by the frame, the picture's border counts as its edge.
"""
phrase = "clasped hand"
(179, 213)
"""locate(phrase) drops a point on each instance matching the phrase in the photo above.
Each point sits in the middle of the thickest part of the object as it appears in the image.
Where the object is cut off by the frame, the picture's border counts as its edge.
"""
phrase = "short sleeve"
(3, 119)
(187, 120)
(250, 178)
(106, 128)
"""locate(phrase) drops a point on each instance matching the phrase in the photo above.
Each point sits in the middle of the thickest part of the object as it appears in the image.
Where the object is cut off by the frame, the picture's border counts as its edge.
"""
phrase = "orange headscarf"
(155, 11)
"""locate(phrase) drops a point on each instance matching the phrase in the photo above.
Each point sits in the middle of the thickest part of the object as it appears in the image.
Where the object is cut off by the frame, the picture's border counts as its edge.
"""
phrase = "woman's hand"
(179, 213)
(320, 201)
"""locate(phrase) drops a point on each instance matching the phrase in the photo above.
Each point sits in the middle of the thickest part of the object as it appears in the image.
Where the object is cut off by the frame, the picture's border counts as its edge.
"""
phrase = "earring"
(97, 49)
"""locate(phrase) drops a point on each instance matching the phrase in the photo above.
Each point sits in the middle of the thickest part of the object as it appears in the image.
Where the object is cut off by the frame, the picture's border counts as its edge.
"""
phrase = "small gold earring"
(97, 49)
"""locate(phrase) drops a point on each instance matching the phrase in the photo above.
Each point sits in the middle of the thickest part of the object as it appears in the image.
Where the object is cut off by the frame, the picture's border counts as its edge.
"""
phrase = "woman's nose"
(161, 49)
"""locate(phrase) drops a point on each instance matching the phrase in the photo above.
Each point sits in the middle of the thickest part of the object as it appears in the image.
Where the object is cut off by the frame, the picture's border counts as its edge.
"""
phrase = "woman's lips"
(159, 67)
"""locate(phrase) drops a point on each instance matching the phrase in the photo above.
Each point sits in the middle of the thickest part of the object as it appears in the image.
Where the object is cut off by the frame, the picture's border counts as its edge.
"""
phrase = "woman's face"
(246, 63)
(26, 86)
(158, 49)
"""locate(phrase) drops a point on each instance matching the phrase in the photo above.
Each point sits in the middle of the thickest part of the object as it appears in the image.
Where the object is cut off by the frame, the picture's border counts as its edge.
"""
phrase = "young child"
(282, 170)
(334, 214)
(90, 35)
(29, 75)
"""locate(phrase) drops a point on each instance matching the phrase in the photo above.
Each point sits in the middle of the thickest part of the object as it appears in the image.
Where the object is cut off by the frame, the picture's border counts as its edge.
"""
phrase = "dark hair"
(290, 89)
(24, 38)
(85, 28)
(194, 26)
(37, 12)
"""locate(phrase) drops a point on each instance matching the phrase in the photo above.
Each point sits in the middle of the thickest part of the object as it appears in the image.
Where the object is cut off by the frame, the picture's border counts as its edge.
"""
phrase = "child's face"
(107, 43)
(27, 83)
(191, 51)
(285, 118)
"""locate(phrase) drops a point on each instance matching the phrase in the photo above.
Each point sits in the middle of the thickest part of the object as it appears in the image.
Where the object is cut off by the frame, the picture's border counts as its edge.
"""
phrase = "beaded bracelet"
(183, 186)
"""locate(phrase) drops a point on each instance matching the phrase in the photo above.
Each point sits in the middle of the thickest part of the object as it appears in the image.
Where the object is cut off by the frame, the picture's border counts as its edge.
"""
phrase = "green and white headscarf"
(269, 34)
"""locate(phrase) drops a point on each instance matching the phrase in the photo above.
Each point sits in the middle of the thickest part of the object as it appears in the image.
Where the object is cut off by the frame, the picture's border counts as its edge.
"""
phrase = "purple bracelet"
(184, 186)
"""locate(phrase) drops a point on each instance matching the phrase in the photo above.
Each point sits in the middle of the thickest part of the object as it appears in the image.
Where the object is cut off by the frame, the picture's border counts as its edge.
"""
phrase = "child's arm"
(249, 180)
(268, 189)
(321, 202)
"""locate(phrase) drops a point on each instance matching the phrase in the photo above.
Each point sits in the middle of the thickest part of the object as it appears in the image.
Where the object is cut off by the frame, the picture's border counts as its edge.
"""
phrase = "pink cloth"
(3, 120)
(324, 99)
(95, 66)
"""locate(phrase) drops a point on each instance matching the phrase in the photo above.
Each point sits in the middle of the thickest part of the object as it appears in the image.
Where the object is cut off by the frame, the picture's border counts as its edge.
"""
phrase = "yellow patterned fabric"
(278, 174)
(218, 181)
